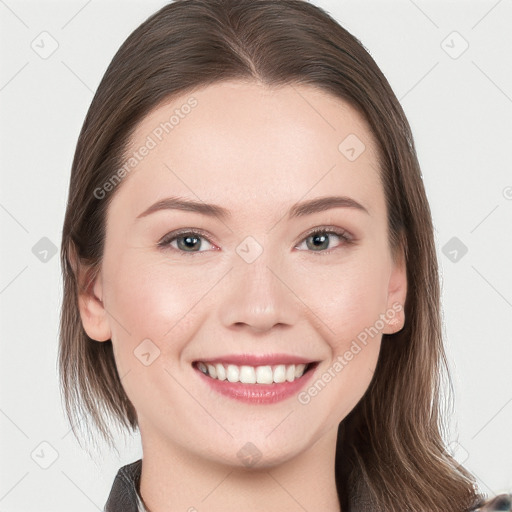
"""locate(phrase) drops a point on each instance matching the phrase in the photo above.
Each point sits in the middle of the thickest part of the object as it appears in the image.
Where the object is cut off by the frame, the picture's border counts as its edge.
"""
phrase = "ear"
(90, 292)
(397, 293)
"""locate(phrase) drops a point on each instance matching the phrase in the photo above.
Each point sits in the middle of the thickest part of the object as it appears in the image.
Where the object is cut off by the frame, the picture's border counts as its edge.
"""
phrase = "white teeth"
(221, 372)
(247, 375)
(252, 375)
(299, 370)
(233, 373)
(212, 371)
(280, 373)
(264, 375)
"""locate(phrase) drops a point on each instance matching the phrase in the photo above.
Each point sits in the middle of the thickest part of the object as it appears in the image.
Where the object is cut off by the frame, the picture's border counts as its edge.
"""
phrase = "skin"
(256, 151)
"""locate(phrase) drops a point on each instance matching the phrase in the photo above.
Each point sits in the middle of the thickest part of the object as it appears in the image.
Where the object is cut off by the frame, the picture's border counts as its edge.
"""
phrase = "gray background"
(459, 103)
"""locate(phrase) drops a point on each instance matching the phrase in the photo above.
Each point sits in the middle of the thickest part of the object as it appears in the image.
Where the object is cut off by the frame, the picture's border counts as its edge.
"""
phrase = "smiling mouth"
(245, 374)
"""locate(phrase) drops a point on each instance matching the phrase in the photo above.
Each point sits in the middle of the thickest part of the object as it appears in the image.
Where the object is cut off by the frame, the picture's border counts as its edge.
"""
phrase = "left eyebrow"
(212, 210)
(324, 203)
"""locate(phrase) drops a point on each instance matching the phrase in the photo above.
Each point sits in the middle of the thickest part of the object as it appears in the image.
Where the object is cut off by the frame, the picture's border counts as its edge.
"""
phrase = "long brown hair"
(390, 450)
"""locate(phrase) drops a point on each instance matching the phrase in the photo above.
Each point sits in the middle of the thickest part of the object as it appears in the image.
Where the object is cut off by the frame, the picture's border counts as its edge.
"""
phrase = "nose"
(258, 296)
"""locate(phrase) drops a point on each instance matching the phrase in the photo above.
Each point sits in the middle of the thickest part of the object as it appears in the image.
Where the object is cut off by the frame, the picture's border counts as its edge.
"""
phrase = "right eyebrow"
(178, 203)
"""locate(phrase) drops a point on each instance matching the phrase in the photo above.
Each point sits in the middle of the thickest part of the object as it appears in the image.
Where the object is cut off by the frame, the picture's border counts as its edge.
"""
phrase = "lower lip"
(258, 393)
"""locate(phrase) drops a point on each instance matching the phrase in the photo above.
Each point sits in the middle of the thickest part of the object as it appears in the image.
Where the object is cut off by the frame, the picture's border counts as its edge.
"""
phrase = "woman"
(294, 360)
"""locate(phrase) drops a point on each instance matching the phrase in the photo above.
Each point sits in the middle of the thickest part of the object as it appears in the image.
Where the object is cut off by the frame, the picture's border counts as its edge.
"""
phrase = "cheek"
(155, 303)
(347, 298)
(349, 302)
(150, 301)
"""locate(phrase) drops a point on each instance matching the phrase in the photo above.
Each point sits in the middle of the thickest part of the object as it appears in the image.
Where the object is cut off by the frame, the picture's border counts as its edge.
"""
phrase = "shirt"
(125, 494)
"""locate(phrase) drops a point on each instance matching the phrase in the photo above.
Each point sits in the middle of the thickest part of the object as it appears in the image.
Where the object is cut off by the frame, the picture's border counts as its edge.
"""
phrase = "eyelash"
(346, 239)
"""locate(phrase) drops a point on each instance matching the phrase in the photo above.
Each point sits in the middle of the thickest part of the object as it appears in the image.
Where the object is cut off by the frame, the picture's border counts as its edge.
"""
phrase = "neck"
(172, 479)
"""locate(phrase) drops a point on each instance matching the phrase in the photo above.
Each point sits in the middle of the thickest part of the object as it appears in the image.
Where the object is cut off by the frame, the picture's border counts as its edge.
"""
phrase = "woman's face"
(267, 278)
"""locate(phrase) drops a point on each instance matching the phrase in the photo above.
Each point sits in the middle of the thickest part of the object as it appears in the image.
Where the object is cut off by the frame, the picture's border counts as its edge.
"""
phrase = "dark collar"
(125, 494)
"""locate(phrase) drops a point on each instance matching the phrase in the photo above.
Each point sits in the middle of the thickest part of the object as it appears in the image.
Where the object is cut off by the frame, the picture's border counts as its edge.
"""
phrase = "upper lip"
(258, 359)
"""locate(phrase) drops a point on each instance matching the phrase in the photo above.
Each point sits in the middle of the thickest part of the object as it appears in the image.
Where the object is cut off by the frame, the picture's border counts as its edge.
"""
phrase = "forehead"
(236, 142)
